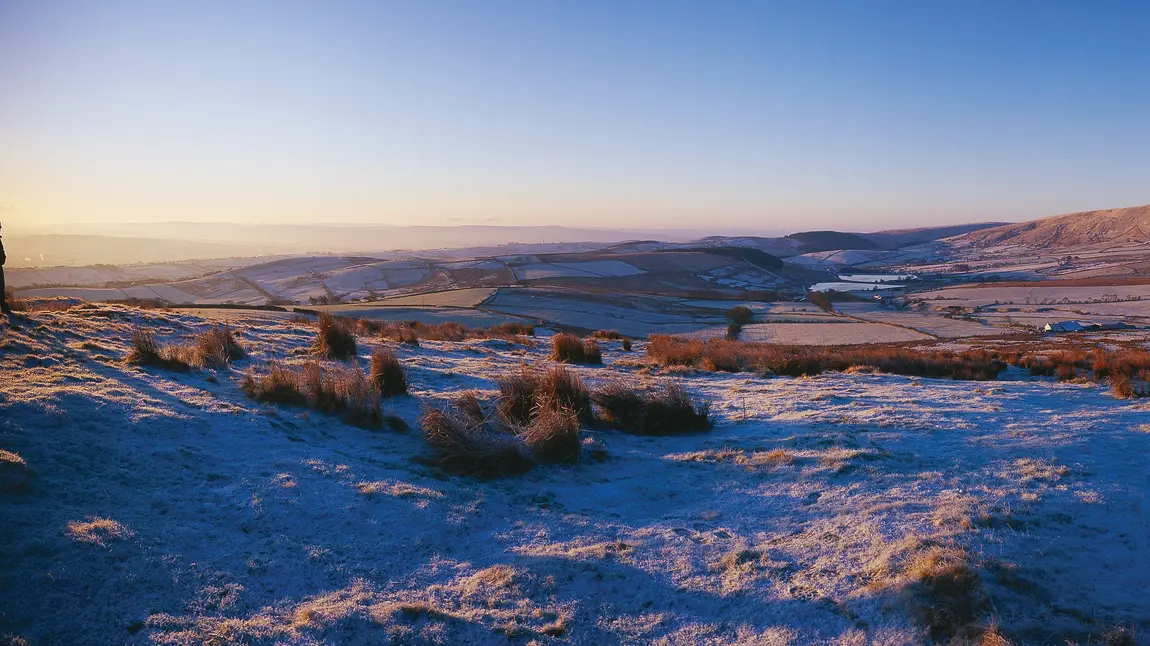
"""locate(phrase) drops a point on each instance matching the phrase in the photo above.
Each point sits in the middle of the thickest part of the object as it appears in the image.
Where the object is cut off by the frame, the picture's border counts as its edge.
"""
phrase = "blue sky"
(751, 116)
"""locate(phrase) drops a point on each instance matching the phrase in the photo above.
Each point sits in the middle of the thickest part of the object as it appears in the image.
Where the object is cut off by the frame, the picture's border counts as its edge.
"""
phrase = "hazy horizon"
(665, 116)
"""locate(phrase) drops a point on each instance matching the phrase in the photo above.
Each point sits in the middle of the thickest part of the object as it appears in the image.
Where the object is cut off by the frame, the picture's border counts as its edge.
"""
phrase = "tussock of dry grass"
(98, 531)
(146, 351)
(15, 476)
(335, 338)
(568, 348)
(537, 416)
(214, 348)
(387, 374)
(523, 394)
(665, 411)
(466, 447)
(946, 593)
(217, 347)
(554, 435)
(334, 390)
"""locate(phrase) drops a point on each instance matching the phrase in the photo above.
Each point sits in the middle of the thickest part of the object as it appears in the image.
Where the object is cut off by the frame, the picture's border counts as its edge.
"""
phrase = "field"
(844, 333)
(197, 515)
(448, 298)
(924, 321)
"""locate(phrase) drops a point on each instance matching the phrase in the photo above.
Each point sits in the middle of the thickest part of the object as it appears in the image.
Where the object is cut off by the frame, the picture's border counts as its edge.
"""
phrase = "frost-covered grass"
(837, 509)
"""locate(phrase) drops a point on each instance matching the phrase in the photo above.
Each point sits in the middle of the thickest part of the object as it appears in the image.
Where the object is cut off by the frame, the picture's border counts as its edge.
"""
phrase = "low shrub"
(666, 411)
(626, 345)
(1066, 372)
(335, 339)
(410, 332)
(511, 328)
(568, 348)
(735, 356)
(387, 373)
(607, 335)
(347, 391)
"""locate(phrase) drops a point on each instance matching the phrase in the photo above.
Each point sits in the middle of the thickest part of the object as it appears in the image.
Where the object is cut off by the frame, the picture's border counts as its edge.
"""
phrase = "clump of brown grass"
(735, 356)
(15, 476)
(98, 531)
(537, 414)
(217, 347)
(1123, 387)
(410, 332)
(335, 338)
(387, 373)
(523, 394)
(608, 335)
(626, 345)
(512, 329)
(465, 446)
(665, 411)
(554, 435)
(343, 390)
(213, 348)
(568, 348)
(946, 593)
(147, 351)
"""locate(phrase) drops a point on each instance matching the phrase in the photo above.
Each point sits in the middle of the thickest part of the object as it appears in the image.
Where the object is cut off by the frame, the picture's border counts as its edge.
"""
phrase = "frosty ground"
(169, 508)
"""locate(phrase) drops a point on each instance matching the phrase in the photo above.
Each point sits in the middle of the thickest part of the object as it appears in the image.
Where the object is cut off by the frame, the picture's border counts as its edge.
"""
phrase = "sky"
(755, 116)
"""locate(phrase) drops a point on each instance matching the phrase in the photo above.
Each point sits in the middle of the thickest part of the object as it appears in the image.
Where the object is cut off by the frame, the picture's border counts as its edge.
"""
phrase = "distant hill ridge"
(1070, 230)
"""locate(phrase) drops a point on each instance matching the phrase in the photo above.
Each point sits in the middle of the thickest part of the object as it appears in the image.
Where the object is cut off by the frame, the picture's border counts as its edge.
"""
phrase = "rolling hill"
(1070, 230)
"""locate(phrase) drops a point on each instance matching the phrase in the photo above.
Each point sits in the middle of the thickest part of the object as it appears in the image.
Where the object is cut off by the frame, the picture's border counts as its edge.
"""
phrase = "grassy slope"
(240, 522)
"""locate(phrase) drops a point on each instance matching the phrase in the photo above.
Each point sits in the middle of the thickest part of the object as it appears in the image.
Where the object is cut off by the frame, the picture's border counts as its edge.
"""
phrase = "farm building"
(1083, 326)
(1070, 326)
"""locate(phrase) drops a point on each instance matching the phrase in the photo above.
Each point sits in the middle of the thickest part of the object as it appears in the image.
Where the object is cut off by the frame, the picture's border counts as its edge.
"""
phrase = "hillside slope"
(196, 515)
(1070, 230)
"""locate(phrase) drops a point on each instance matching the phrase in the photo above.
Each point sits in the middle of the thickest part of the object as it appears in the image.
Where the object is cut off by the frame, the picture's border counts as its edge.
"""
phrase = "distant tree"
(740, 315)
(821, 300)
